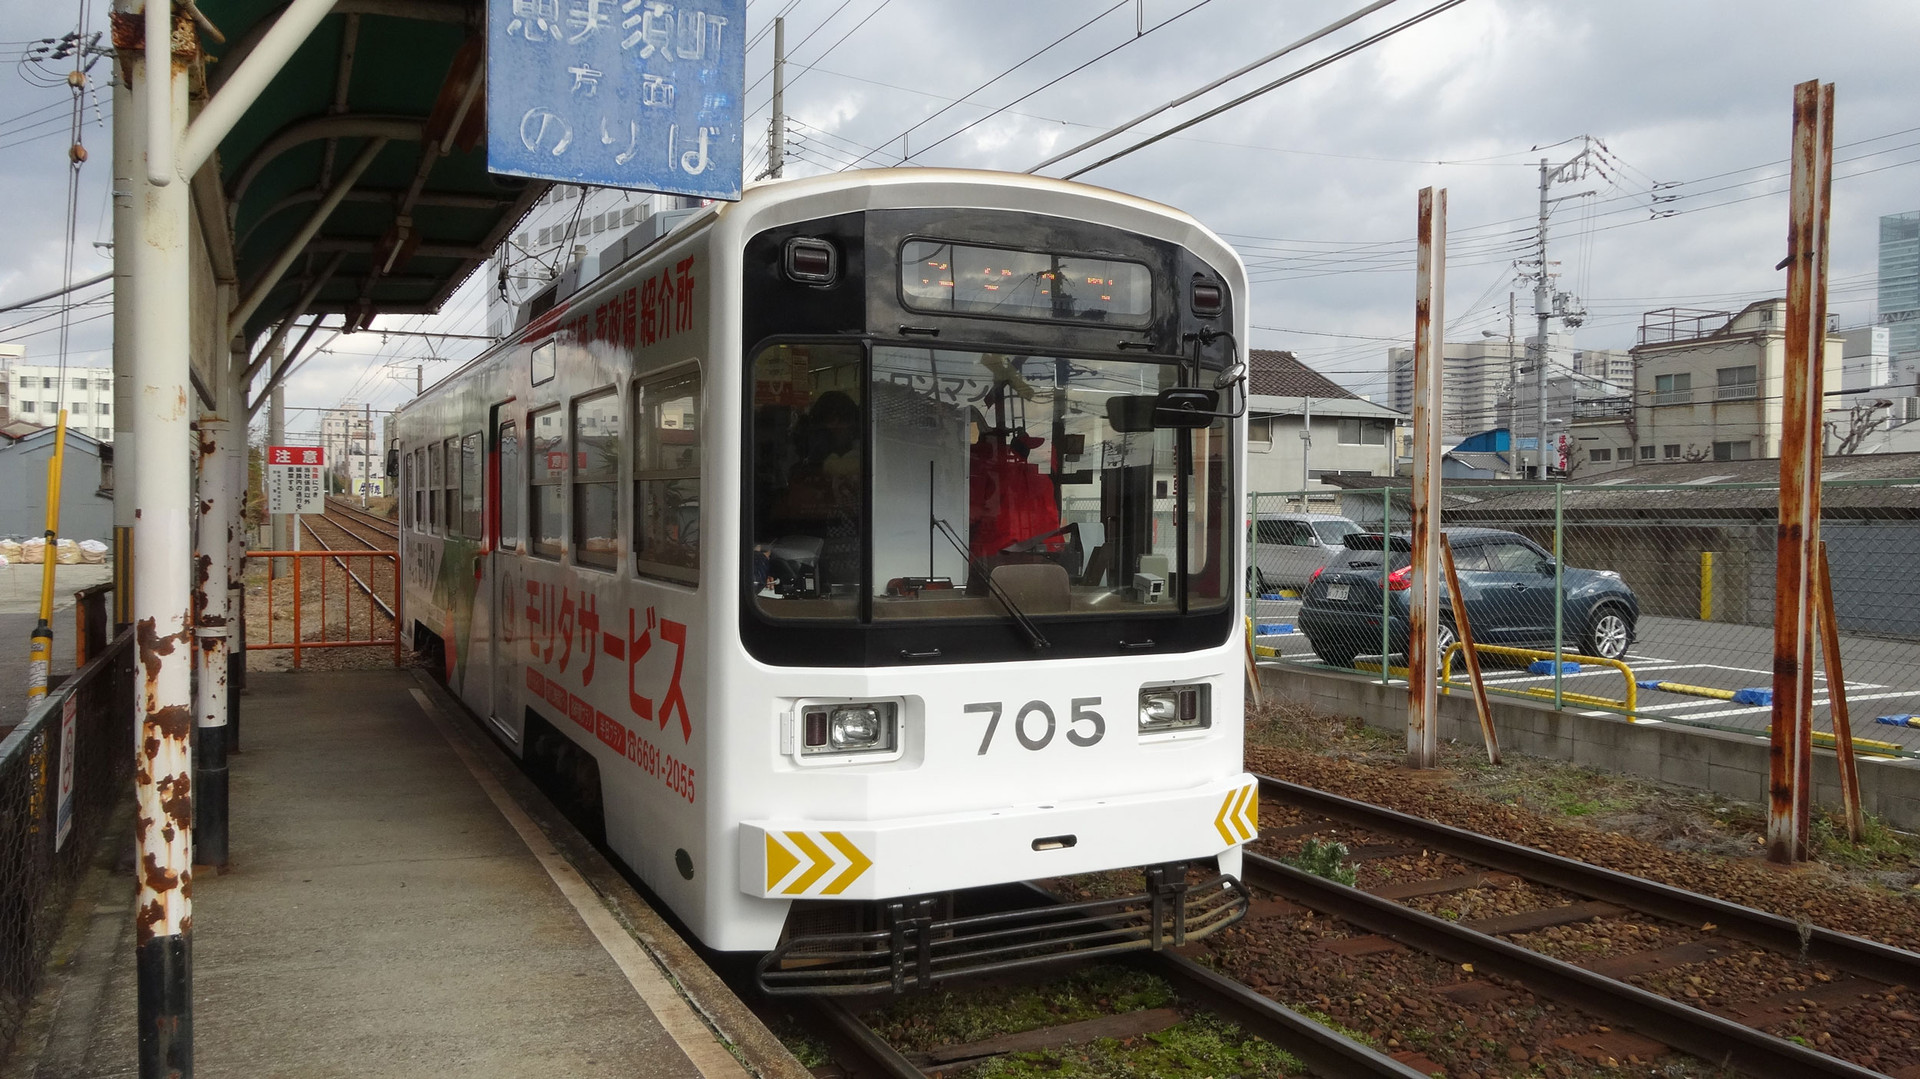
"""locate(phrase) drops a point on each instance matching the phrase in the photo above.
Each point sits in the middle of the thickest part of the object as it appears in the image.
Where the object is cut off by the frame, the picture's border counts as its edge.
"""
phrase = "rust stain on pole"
(1480, 702)
(163, 813)
(1790, 755)
(1837, 697)
(1423, 601)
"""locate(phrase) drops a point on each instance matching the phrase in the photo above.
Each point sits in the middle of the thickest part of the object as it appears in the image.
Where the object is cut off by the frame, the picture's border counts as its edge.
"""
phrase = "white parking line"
(1817, 702)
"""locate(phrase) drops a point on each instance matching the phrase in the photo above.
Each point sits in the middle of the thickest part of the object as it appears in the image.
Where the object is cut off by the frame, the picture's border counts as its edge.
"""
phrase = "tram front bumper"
(879, 859)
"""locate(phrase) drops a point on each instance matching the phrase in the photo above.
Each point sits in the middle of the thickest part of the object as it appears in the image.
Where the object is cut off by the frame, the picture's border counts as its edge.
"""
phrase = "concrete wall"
(84, 512)
(1734, 765)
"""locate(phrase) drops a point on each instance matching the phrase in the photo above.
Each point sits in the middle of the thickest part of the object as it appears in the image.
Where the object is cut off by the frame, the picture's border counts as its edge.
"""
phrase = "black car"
(1506, 579)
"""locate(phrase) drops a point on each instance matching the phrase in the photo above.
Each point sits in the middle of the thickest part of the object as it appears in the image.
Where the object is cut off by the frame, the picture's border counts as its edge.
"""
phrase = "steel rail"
(1324, 1050)
(1855, 955)
(1710, 1037)
(379, 524)
(337, 523)
(857, 1036)
(339, 561)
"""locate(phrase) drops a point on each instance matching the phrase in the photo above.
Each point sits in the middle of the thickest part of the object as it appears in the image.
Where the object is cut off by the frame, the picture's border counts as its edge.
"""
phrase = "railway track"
(1813, 972)
(340, 510)
(330, 519)
(862, 1052)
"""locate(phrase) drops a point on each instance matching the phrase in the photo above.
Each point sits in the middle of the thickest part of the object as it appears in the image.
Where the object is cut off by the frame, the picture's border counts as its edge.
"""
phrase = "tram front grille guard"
(919, 951)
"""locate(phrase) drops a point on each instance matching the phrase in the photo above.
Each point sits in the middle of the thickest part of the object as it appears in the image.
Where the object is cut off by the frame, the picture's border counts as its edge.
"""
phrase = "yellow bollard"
(1706, 586)
(40, 650)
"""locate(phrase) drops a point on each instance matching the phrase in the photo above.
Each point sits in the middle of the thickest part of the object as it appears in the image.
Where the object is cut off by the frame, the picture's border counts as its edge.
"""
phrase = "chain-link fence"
(1675, 582)
(62, 772)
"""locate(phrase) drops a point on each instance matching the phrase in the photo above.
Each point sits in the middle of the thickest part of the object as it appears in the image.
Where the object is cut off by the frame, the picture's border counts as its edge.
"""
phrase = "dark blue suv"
(1506, 579)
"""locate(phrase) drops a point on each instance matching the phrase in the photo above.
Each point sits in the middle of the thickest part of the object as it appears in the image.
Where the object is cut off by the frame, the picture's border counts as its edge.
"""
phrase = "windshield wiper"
(1034, 636)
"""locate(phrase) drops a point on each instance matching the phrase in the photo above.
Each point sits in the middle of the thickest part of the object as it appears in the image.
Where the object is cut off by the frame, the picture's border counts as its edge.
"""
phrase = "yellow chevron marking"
(1243, 813)
(1220, 820)
(860, 863)
(780, 861)
(1253, 812)
(819, 862)
(1233, 815)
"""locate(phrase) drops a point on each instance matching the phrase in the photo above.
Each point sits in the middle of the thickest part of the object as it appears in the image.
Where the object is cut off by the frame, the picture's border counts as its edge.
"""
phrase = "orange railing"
(362, 584)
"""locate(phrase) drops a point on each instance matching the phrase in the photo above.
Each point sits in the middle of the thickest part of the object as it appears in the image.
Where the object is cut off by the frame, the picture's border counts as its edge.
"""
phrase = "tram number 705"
(1081, 711)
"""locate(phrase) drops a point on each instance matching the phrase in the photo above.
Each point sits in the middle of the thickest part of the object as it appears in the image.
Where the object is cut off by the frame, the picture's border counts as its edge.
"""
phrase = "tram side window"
(546, 488)
(406, 484)
(596, 480)
(666, 477)
(509, 487)
(450, 514)
(472, 521)
(419, 459)
(436, 478)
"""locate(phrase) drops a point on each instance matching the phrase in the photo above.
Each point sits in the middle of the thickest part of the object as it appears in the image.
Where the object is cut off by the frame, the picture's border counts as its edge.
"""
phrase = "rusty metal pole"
(1423, 614)
(1790, 760)
(162, 495)
(210, 628)
(235, 452)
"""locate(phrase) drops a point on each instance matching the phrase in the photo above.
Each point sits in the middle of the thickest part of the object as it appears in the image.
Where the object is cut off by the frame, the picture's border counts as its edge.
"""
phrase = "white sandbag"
(93, 552)
(10, 549)
(67, 553)
(33, 551)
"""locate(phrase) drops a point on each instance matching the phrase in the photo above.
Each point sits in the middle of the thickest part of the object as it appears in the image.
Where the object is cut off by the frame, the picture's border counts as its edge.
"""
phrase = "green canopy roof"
(423, 216)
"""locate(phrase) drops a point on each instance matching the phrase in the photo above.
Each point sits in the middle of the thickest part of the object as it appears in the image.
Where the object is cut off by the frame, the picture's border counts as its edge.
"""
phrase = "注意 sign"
(642, 94)
(294, 481)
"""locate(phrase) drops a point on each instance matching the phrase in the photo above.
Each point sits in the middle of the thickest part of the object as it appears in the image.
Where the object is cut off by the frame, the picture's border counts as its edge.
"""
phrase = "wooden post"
(1837, 696)
(1460, 623)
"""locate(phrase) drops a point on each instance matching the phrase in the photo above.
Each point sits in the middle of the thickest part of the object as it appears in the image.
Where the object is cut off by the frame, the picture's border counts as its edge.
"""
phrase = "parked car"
(1506, 579)
(1289, 547)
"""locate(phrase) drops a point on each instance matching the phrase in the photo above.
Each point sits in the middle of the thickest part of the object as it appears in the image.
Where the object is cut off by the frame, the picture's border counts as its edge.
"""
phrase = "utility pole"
(777, 126)
(1306, 445)
(1513, 388)
(1543, 296)
(366, 451)
(419, 378)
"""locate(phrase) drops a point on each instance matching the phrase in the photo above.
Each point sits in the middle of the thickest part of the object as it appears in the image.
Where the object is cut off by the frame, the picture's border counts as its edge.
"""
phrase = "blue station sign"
(641, 94)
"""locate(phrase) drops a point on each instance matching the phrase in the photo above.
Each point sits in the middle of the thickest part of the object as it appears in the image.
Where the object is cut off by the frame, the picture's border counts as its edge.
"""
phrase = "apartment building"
(36, 393)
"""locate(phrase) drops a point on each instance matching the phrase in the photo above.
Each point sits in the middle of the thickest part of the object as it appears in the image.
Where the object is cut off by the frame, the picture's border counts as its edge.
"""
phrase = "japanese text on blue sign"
(642, 94)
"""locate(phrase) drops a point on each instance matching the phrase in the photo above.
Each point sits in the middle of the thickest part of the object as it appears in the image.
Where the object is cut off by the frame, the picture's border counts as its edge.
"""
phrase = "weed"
(1202, 1046)
(1324, 860)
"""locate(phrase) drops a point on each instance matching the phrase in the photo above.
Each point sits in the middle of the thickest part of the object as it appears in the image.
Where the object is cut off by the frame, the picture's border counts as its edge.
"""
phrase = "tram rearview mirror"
(1175, 408)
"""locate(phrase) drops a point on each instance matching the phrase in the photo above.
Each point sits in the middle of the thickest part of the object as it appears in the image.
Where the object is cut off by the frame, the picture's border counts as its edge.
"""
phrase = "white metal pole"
(277, 435)
(243, 87)
(163, 547)
(128, 183)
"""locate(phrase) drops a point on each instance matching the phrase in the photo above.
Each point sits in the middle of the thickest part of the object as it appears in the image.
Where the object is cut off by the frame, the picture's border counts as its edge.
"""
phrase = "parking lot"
(1883, 675)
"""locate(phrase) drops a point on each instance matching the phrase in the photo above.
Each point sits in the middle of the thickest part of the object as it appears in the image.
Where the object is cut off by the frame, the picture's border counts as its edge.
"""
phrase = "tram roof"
(418, 222)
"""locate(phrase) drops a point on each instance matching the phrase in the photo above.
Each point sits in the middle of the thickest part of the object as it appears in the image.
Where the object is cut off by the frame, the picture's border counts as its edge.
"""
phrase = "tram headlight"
(851, 727)
(1165, 709)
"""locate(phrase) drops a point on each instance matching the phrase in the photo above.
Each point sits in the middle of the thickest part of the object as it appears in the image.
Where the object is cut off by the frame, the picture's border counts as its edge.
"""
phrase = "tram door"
(504, 488)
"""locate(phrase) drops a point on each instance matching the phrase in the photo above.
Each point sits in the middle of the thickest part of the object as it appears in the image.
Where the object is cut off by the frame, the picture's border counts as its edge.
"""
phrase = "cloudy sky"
(1688, 102)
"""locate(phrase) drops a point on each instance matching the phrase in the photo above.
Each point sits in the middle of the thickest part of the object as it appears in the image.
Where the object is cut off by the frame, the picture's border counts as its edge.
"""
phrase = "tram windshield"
(896, 482)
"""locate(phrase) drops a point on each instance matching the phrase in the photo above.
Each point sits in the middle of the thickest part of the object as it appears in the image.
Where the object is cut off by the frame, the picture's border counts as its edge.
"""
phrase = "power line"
(1215, 84)
(1274, 85)
(1030, 58)
(1176, 17)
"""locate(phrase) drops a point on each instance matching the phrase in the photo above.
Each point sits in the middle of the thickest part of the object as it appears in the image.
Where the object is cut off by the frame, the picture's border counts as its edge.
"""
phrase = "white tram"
(856, 546)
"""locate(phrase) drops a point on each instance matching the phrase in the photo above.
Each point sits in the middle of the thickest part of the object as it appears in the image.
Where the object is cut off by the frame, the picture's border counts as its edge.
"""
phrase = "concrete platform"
(401, 903)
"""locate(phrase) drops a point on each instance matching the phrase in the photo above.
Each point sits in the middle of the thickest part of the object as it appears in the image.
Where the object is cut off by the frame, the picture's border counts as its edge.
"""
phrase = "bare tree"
(1863, 419)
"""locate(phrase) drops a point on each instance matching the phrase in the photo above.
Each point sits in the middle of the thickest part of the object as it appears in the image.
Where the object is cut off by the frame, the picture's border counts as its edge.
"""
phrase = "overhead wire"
(1444, 5)
(1069, 73)
(1056, 42)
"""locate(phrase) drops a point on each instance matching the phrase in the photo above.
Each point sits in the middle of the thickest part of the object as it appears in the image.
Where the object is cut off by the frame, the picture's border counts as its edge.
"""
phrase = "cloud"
(1316, 181)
